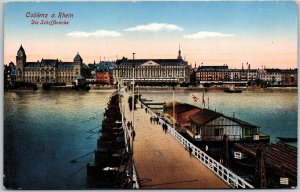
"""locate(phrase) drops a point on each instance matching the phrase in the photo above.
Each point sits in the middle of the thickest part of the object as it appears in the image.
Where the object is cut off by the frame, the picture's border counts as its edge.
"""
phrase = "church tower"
(179, 53)
(20, 63)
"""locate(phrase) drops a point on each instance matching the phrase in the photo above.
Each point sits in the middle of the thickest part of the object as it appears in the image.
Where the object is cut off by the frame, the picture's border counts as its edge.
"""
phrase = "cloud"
(98, 33)
(206, 34)
(155, 27)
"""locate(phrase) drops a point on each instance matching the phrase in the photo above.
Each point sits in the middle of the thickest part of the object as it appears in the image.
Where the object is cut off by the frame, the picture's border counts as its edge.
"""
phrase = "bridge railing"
(127, 144)
(225, 174)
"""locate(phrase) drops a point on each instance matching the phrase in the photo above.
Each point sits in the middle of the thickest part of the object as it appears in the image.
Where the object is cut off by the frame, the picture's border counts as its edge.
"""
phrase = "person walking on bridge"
(133, 134)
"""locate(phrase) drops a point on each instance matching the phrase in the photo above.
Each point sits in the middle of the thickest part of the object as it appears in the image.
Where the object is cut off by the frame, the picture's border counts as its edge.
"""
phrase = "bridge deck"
(161, 162)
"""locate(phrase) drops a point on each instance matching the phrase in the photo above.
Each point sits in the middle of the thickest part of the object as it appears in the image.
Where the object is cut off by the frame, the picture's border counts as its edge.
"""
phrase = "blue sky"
(238, 21)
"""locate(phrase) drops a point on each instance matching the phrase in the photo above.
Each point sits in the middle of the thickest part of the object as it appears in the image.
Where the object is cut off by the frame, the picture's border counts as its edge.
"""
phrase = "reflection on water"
(274, 112)
(43, 131)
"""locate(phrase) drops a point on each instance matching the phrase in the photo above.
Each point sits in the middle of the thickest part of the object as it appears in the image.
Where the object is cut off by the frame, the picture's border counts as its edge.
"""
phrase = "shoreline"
(164, 89)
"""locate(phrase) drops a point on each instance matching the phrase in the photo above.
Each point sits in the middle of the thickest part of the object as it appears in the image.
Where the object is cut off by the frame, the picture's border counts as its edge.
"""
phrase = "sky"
(212, 33)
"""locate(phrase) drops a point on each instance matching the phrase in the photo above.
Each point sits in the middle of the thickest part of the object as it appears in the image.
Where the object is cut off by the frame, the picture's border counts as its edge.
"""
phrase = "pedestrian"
(128, 125)
(133, 134)
(151, 120)
(166, 128)
(157, 120)
(146, 110)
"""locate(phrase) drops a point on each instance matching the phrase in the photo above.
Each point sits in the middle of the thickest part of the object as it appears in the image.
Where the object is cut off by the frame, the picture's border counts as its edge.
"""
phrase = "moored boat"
(288, 139)
(232, 90)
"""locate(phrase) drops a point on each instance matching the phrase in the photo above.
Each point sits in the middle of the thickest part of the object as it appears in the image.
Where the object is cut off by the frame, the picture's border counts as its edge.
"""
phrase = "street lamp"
(133, 70)
(173, 107)
(132, 129)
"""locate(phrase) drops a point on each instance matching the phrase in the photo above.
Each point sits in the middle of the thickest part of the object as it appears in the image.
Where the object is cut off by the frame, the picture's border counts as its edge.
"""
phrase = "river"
(44, 131)
(275, 112)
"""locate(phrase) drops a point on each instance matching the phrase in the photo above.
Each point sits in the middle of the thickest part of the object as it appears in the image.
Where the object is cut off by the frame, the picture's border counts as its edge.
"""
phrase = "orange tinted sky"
(259, 33)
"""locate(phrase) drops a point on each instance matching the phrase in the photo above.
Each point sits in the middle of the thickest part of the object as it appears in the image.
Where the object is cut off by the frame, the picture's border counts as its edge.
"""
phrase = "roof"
(214, 67)
(50, 63)
(163, 62)
(105, 66)
(77, 57)
(22, 49)
(180, 107)
(205, 115)
(273, 70)
(289, 71)
(170, 104)
(243, 123)
(65, 65)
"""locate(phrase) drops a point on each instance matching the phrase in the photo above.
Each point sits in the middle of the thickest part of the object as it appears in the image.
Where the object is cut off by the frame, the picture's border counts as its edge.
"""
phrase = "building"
(47, 70)
(10, 73)
(104, 72)
(210, 74)
(153, 71)
(222, 74)
(270, 76)
(182, 112)
(208, 125)
(289, 77)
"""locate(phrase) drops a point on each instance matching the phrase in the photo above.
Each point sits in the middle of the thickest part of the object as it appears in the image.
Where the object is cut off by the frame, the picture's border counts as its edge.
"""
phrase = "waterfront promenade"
(161, 162)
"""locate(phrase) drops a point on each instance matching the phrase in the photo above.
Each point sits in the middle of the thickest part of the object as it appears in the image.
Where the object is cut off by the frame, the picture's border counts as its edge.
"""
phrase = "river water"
(44, 131)
(274, 111)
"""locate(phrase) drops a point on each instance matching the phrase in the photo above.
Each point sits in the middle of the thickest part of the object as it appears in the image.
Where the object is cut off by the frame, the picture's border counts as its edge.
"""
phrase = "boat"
(232, 90)
(288, 139)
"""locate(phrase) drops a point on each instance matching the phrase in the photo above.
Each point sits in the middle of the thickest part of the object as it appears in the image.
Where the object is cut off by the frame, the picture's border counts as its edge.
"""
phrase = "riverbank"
(167, 89)
(219, 89)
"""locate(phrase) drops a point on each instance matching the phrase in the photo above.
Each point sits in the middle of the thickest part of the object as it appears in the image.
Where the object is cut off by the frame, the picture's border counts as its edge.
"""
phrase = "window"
(219, 131)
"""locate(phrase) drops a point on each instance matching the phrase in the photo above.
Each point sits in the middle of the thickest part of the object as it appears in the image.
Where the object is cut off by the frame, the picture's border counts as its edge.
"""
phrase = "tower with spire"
(179, 53)
(77, 64)
(20, 63)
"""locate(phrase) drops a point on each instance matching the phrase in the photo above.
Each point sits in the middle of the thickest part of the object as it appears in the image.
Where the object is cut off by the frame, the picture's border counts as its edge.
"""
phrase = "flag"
(195, 98)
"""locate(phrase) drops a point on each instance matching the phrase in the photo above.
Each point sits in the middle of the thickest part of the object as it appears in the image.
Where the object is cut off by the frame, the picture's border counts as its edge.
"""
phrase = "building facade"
(153, 70)
(104, 72)
(222, 74)
(208, 125)
(289, 77)
(270, 76)
(9, 73)
(47, 70)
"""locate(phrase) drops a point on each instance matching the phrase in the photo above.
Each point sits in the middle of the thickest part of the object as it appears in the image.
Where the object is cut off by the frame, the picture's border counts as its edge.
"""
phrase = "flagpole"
(207, 102)
(174, 107)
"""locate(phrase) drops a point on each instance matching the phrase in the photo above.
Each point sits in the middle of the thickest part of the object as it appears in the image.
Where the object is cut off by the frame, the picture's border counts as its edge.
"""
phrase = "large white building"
(153, 70)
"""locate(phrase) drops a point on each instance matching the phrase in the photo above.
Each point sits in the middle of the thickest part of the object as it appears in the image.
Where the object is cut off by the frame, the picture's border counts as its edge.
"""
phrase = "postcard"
(150, 95)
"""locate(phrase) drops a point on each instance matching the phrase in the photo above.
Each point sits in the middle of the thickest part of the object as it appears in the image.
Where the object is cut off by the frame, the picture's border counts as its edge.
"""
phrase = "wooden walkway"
(161, 162)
